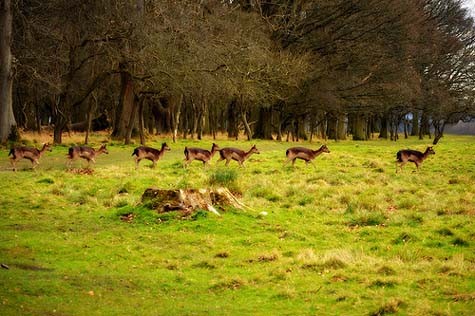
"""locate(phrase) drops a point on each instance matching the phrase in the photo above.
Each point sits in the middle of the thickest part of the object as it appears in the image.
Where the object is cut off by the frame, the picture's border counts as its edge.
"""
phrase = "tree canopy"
(324, 67)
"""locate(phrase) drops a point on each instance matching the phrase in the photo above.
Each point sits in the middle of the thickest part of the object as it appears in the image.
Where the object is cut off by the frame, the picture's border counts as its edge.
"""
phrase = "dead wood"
(189, 200)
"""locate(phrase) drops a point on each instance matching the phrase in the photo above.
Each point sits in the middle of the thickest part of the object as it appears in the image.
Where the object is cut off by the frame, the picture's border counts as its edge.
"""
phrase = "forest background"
(270, 69)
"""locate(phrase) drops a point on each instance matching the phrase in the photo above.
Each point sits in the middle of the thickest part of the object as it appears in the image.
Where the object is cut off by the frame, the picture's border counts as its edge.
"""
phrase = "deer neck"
(213, 151)
(317, 152)
(426, 154)
(248, 154)
(41, 152)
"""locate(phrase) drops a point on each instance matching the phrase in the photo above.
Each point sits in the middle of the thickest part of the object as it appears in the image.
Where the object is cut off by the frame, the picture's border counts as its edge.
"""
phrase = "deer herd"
(194, 153)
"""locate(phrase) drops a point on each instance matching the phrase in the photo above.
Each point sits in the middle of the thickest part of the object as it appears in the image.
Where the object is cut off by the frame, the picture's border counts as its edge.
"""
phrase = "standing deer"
(406, 155)
(30, 153)
(303, 153)
(230, 153)
(149, 153)
(85, 152)
(199, 154)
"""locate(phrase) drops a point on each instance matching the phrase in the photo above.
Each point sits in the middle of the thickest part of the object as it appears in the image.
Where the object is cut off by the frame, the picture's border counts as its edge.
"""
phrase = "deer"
(409, 155)
(303, 153)
(30, 153)
(149, 153)
(202, 155)
(230, 153)
(86, 153)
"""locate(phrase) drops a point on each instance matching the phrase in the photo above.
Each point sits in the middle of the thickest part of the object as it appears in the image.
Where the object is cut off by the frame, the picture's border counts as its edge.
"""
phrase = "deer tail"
(186, 152)
(287, 152)
(12, 152)
(136, 152)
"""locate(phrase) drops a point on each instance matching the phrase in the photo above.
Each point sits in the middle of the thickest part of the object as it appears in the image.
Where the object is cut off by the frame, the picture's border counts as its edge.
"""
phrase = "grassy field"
(344, 236)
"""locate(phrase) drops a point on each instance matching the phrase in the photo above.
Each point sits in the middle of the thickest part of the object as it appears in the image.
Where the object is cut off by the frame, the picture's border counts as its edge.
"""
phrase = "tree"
(7, 119)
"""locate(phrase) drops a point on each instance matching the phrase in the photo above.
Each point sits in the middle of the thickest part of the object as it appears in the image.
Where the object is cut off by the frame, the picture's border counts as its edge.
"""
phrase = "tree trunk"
(439, 126)
(175, 111)
(424, 127)
(126, 105)
(130, 125)
(90, 110)
(7, 119)
(247, 127)
(332, 127)
(233, 131)
(141, 123)
(415, 123)
(340, 127)
(60, 120)
(406, 128)
(383, 132)
(264, 124)
(360, 126)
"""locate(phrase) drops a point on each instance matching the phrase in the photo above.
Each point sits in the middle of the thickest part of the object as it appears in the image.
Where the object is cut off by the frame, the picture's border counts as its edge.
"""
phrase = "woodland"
(267, 69)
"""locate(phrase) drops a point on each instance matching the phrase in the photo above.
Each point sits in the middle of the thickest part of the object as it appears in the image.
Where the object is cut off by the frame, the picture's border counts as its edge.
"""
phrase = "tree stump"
(164, 200)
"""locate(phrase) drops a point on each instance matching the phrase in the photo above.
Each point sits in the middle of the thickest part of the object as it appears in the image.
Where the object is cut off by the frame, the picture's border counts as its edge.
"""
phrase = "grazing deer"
(304, 153)
(199, 154)
(149, 153)
(30, 153)
(405, 155)
(85, 152)
(239, 155)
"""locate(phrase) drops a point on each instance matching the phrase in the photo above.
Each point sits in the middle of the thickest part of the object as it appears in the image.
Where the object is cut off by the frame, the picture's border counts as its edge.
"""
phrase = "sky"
(470, 5)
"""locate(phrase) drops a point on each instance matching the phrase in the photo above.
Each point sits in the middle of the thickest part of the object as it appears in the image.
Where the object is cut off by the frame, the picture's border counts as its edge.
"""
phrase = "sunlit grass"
(344, 235)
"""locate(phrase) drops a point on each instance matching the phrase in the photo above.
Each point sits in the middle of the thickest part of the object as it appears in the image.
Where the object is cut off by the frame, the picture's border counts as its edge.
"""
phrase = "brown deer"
(303, 153)
(149, 153)
(85, 152)
(30, 153)
(199, 154)
(409, 155)
(230, 153)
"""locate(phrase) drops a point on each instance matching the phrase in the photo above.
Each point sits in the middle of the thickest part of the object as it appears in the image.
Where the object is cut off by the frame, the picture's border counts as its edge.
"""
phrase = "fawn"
(84, 152)
(303, 153)
(30, 153)
(203, 155)
(149, 153)
(230, 153)
(406, 155)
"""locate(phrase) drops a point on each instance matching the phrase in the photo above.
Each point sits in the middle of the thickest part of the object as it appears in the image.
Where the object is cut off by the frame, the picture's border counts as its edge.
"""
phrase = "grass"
(344, 236)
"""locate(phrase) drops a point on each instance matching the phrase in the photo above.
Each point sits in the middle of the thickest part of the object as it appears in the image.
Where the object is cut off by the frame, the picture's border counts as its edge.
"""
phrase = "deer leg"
(401, 165)
(13, 163)
(137, 160)
(417, 165)
(69, 162)
(154, 164)
(227, 162)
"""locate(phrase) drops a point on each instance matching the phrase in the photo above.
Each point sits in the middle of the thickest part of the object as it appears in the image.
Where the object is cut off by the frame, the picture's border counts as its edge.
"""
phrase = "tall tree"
(7, 119)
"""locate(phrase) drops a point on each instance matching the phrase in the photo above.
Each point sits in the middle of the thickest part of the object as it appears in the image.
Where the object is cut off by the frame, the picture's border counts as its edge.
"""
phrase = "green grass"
(344, 236)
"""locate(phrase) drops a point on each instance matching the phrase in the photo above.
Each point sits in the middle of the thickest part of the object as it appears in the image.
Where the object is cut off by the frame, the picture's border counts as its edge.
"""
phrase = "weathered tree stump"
(164, 200)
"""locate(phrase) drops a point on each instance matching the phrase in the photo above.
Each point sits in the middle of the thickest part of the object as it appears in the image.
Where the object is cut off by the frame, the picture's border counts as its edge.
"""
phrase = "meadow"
(346, 235)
